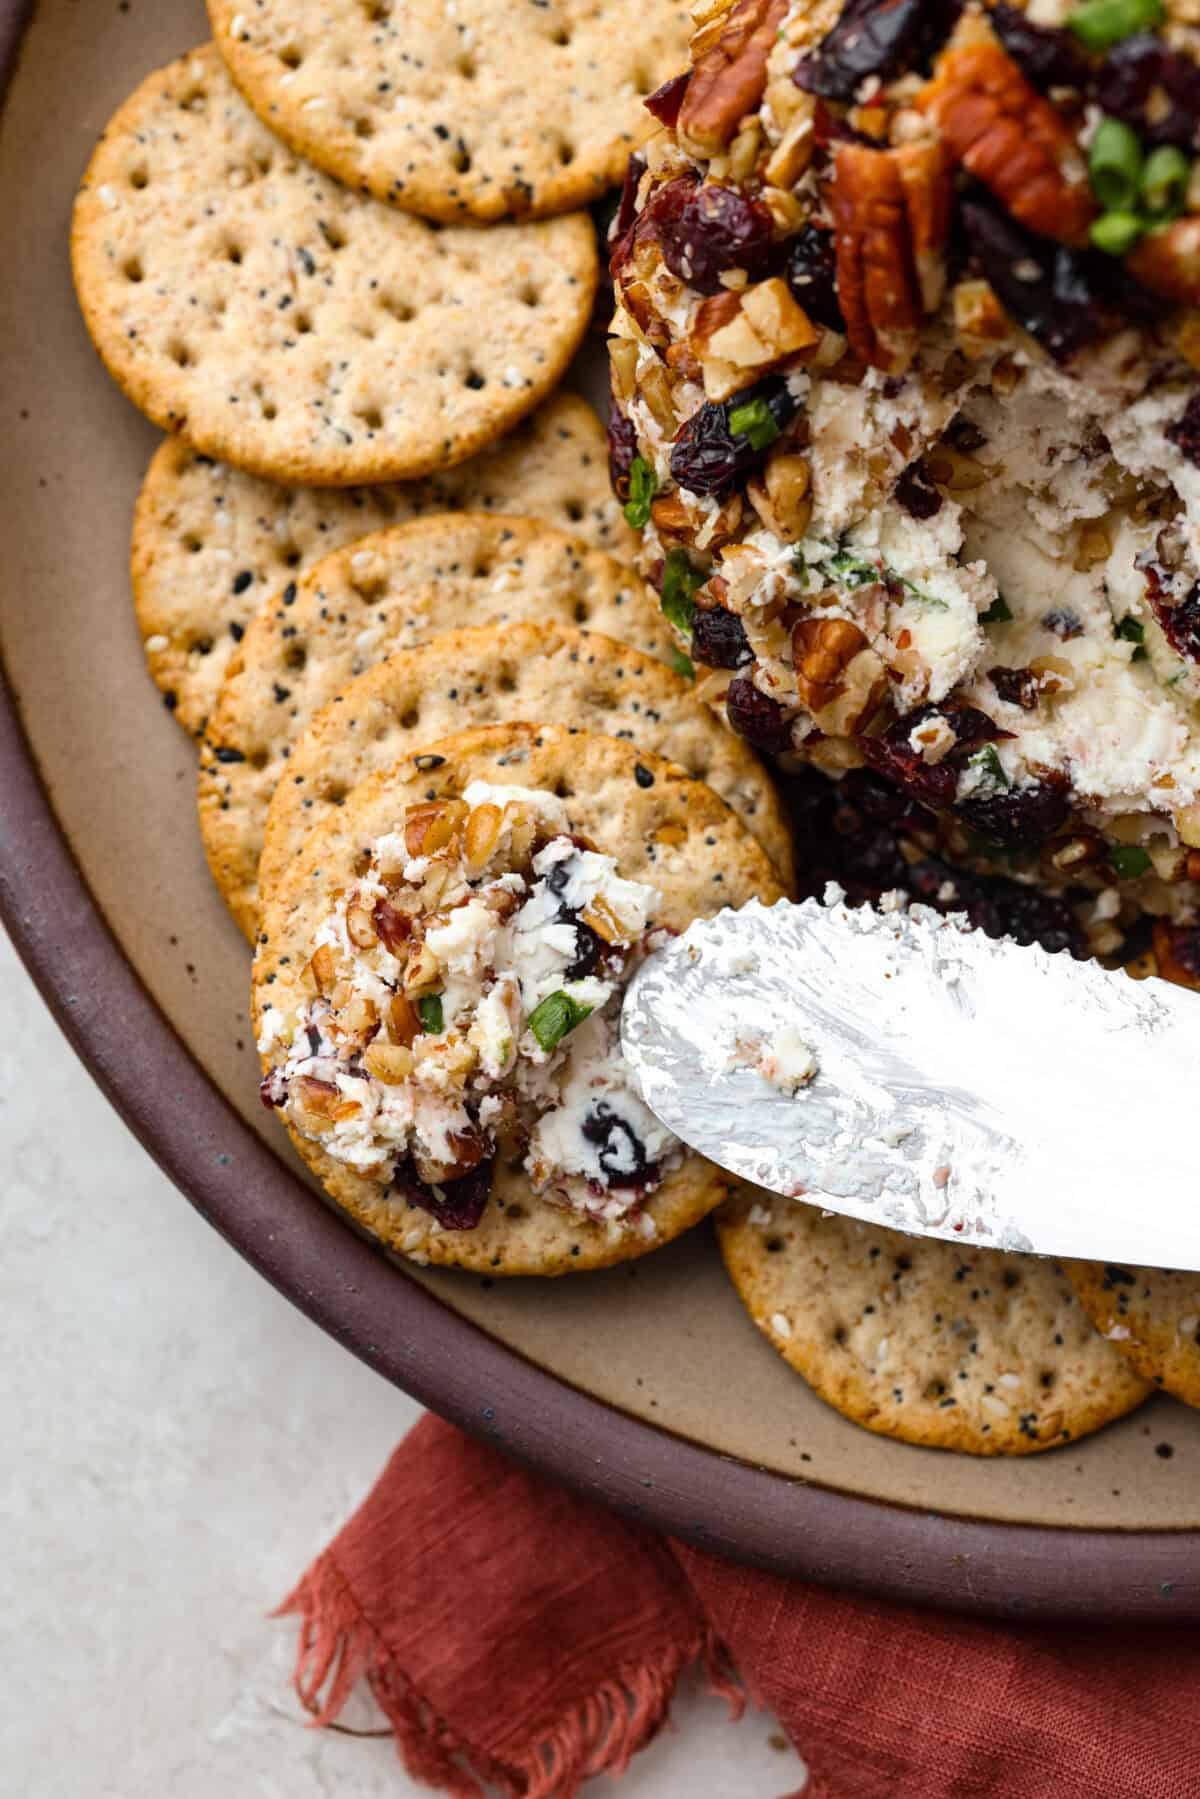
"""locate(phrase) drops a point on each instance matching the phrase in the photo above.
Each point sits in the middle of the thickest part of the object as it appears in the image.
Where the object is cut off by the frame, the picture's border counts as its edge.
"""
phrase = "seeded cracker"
(674, 834)
(211, 544)
(470, 110)
(390, 591)
(295, 329)
(935, 1343)
(1150, 1315)
(493, 674)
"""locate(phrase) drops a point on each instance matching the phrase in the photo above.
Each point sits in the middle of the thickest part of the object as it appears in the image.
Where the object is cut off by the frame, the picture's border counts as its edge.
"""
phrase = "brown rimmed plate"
(645, 1387)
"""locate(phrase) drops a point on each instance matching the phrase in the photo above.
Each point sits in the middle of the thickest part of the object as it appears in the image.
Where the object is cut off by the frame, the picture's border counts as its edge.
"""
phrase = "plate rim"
(346, 1285)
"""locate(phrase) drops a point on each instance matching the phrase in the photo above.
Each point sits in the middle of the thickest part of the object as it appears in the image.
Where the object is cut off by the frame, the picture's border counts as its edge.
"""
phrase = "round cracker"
(276, 320)
(389, 591)
(494, 674)
(938, 1344)
(477, 110)
(211, 544)
(1151, 1316)
(675, 834)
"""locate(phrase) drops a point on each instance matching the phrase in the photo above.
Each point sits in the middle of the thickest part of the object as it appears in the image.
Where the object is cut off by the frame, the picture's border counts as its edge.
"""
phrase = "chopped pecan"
(1168, 262)
(782, 496)
(875, 281)
(671, 517)
(1177, 952)
(729, 76)
(928, 198)
(997, 125)
(839, 679)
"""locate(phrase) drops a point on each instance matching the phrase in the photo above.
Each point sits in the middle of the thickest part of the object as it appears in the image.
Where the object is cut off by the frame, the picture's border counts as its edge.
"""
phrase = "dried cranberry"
(622, 1154)
(1184, 943)
(457, 1205)
(710, 230)
(1022, 815)
(811, 275)
(917, 494)
(1049, 290)
(875, 37)
(999, 907)
(664, 103)
(635, 168)
(589, 948)
(932, 784)
(1048, 56)
(1064, 623)
(1185, 432)
(719, 638)
(1135, 78)
(1180, 622)
(706, 457)
(622, 448)
(1019, 686)
(757, 717)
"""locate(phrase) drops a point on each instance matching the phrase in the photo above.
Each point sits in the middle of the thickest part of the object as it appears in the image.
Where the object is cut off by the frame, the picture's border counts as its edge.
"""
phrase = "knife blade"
(961, 1087)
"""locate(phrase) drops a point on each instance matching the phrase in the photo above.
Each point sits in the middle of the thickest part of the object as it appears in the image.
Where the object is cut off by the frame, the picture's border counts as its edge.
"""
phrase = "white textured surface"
(177, 1443)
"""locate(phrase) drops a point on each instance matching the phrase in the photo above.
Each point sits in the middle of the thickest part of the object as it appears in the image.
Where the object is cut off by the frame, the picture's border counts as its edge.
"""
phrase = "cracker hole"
(1047, 1379)
(409, 720)
(574, 510)
(566, 154)
(367, 332)
(531, 295)
(377, 10)
(383, 733)
(482, 569)
(371, 417)
(270, 410)
(259, 759)
(934, 1389)
(233, 254)
(400, 310)
(460, 162)
(133, 270)
(466, 67)
(139, 178)
(642, 81)
(296, 657)
(839, 1333)
(474, 380)
(334, 792)
(514, 1211)
(193, 545)
(362, 863)
(505, 682)
(774, 1245)
(561, 37)
(562, 788)
(334, 236)
(303, 324)
(291, 56)
(179, 353)
(290, 556)
(363, 128)
(200, 646)
(582, 612)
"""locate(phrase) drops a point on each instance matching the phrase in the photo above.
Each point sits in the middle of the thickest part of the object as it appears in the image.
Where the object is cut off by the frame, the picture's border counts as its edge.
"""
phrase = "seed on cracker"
(390, 591)
(940, 1344)
(478, 110)
(293, 328)
(1151, 1316)
(211, 544)
(492, 674)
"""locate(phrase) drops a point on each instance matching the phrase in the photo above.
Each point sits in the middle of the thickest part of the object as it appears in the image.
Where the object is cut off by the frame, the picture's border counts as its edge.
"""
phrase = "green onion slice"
(1129, 861)
(1131, 629)
(754, 419)
(1101, 23)
(642, 485)
(1116, 232)
(429, 1011)
(990, 768)
(555, 1016)
(1115, 166)
(680, 581)
(998, 613)
(1165, 180)
(682, 664)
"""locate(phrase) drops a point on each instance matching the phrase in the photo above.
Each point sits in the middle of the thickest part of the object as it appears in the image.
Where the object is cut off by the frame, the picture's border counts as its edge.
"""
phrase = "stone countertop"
(178, 1443)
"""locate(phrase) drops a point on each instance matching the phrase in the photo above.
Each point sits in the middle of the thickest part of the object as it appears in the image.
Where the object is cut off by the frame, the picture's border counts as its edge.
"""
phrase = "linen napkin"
(522, 1640)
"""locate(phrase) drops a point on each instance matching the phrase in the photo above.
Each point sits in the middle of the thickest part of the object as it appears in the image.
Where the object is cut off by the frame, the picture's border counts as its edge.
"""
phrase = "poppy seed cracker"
(492, 674)
(302, 332)
(1151, 1316)
(475, 110)
(211, 544)
(674, 834)
(938, 1344)
(389, 591)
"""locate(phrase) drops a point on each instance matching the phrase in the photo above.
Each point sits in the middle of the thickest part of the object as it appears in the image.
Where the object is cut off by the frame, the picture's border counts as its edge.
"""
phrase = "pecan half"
(839, 679)
(730, 76)
(1168, 262)
(891, 210)
(997, 125)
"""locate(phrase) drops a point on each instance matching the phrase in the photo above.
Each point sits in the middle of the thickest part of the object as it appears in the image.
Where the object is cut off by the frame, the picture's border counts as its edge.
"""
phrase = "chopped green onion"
(1116, 232)
(642, 484)
(991, 770)
(1165, 180)
(555, 1016)
(1131, 629)
(1101, 23)
(852, 570)
(998, 613)
(682, 664)
(429, 1011)
(1115, 166)
(754, 419)
(918, 593)
(800, 564)
(680, 581)
(1129, 861)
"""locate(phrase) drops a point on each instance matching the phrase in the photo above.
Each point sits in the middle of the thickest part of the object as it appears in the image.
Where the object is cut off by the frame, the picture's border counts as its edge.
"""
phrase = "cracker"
(1151, 1316)
(476, 110)
(295, 329)
(936, 1343)
(675, 834)
(492, 674)
(210, 543)
(390, 591)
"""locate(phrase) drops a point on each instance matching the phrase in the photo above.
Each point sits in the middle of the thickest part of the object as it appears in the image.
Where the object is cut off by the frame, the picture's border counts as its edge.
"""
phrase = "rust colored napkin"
(518, 1636)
